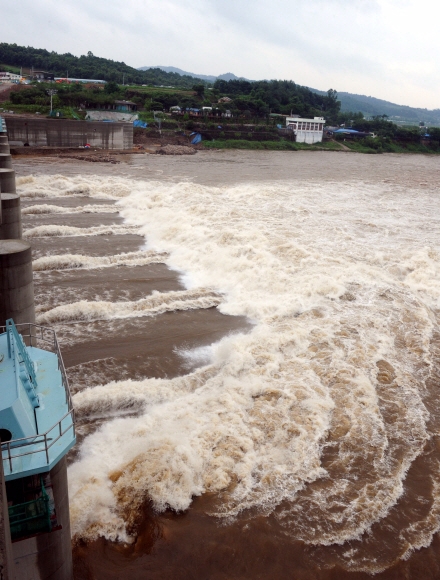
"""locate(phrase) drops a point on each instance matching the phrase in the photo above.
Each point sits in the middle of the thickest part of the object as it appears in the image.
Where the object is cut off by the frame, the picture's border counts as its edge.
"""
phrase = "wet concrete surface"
(76, 220)
(86, 245)
(112, 284)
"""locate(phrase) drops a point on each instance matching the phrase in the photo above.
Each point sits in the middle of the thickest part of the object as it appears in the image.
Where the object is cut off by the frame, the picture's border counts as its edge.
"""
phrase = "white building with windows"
(9, 77)
(306, 130)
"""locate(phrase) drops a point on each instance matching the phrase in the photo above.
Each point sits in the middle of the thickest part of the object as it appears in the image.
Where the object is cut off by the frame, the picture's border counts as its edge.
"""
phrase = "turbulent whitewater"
(318, 413)
(74, 261)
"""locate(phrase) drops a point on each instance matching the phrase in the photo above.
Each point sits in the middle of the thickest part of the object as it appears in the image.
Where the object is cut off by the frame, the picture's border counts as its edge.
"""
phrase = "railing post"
(9, 456)
(45, 446)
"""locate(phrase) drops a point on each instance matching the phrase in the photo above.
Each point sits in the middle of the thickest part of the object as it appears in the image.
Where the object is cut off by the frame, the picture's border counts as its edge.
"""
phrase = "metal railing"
(46, 339)
(13, 334)
(17, 351)
(43, 441)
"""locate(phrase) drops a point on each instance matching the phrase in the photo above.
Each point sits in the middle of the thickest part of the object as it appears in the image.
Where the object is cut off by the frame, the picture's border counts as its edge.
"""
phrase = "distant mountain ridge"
(208, 78)
(371, 106)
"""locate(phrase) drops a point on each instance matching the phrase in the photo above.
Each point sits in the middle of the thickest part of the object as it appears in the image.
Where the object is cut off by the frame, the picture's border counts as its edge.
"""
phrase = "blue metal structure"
(37, 422)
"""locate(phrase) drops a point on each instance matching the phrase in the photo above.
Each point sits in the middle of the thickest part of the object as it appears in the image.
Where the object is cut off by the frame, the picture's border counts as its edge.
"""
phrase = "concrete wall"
(66, 133)
(48, 556)
(309, 137)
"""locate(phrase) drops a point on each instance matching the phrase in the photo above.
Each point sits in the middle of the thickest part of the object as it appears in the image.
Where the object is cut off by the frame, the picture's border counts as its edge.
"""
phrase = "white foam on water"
(75, 261)
(342, 281)
(199, 356)
(54, 230)
(47, 186)
(45, 208)
(157, 303)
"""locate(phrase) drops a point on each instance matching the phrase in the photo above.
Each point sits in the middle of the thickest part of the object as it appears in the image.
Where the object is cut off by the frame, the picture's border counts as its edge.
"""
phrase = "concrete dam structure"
(37, 422)
(69, 133)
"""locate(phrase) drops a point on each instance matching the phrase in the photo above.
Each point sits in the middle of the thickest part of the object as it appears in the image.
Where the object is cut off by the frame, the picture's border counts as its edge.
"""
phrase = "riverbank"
(182, 146)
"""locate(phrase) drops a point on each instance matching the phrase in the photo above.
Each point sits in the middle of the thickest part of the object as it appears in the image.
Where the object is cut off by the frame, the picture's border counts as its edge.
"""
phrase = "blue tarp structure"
(350, 132)
(141, 124)
(346, 131)
(196, 139)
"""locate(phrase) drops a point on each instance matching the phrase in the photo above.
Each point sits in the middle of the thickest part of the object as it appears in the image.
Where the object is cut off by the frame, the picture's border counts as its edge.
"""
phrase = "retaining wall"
(69, 133)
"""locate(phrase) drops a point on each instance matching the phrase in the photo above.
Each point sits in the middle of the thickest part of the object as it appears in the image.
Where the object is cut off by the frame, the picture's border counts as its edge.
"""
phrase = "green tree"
(111, 88)
(199, 89)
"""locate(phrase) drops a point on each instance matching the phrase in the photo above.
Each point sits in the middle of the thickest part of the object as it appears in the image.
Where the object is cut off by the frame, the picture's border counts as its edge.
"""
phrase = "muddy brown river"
(252, 340)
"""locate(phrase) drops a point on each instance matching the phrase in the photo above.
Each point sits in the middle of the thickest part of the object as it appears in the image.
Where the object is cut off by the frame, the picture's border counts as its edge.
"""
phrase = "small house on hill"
(42, 75)
(125, 106)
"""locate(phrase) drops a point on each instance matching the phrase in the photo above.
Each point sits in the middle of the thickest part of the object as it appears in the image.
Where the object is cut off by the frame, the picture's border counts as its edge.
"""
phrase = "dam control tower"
(37, 422)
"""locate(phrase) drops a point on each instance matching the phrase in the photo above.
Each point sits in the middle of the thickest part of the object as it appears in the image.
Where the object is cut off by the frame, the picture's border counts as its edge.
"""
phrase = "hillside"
(88, 66)
(369, 106)
(208, 78)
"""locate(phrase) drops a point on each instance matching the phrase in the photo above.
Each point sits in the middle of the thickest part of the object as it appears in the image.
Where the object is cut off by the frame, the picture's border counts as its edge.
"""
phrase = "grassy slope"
(270, 145)
(10, 68)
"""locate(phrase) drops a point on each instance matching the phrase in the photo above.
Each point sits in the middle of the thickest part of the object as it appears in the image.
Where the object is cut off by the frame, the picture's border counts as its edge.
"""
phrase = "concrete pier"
(7, 181)
(4, 147)
(48, 556)
(5, 161)
(5, 535)
(10, 227)
(16, 282)
(4, 138)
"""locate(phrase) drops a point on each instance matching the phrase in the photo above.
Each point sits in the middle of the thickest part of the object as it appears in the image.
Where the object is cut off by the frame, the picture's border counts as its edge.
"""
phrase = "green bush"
(43, 109)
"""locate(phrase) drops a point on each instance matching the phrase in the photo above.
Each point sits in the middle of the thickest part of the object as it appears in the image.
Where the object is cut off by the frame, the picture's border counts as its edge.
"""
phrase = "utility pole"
(51, 92)
(123, 79)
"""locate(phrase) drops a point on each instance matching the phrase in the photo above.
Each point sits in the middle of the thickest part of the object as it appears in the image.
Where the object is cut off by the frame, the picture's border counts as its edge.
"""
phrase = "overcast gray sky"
(389, 49)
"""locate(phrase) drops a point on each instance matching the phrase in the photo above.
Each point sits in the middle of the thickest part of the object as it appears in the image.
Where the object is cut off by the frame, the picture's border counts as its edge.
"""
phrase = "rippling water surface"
(305, 446)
